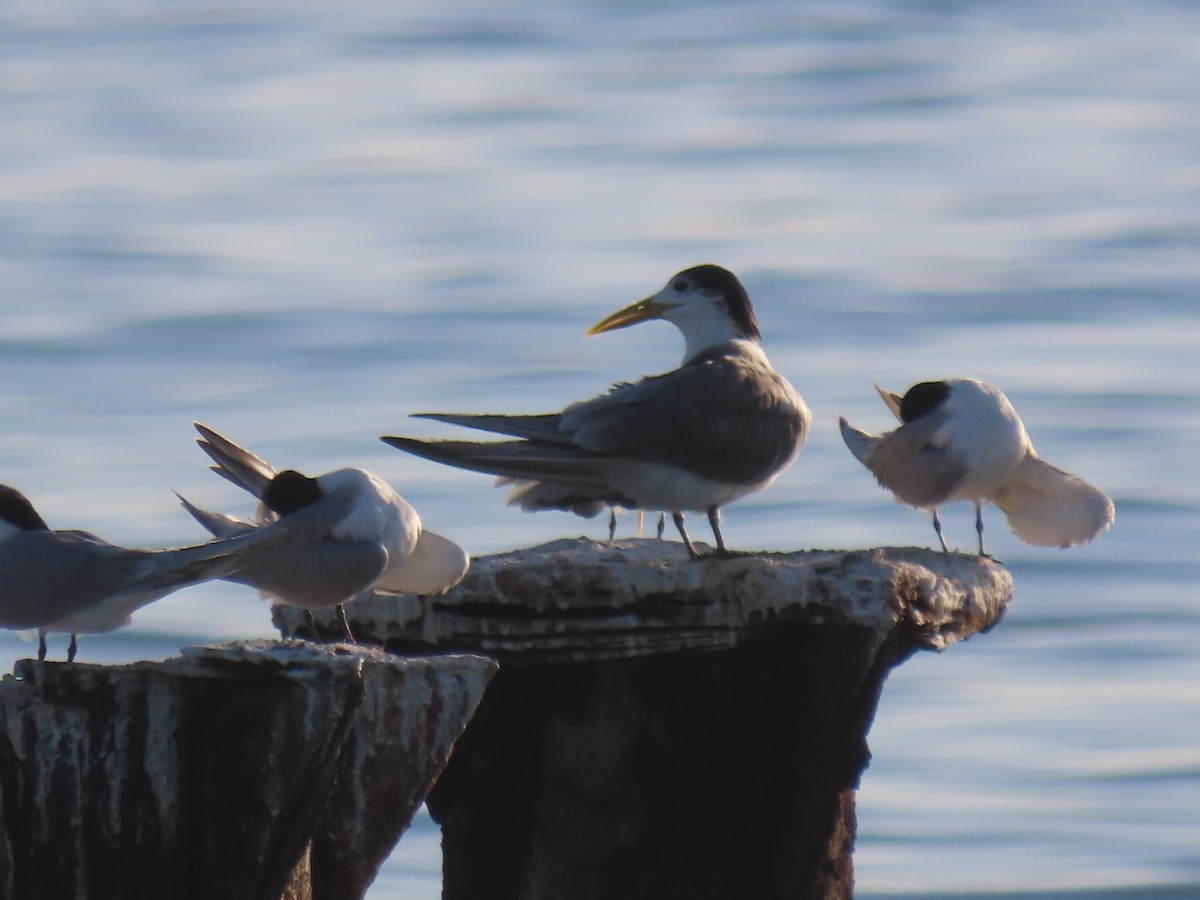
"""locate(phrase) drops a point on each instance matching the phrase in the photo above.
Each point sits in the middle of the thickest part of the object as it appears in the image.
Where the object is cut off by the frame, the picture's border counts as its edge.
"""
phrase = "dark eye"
(680, 285)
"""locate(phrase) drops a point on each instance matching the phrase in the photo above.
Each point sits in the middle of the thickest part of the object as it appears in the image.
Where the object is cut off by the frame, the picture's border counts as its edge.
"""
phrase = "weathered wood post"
(667, 728)
(254, 770)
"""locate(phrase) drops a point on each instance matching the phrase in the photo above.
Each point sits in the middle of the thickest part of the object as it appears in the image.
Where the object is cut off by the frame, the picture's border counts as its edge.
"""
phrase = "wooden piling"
(255, 770)
(667, 728)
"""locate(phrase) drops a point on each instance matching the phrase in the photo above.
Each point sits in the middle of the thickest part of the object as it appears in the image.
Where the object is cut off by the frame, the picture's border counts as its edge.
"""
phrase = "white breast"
(378, 513)
(984, 430)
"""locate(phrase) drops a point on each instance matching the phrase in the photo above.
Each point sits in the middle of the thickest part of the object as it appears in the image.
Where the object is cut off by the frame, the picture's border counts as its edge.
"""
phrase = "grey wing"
(46, 576)
(216, 524)
(543, 450)
(234, 463)
(910, 464)
(520, 460)
(544, 427)
(302, 563)
(727, 419)
(319, 573)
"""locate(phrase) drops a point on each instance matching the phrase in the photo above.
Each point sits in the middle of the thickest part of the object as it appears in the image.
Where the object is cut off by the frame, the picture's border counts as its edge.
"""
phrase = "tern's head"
(922, 399)
(707, 303)
(289, 491)
(17, 513)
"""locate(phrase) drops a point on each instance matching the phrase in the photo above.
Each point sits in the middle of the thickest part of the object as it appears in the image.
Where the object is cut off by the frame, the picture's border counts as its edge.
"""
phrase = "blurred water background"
(300, 223)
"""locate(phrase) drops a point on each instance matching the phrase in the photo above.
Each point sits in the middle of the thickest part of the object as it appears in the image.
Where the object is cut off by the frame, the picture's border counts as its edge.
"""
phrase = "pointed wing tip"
(186, 503)
(209, 521)
(859, 442)
(466, 419)
(210, 437)
(417, 447)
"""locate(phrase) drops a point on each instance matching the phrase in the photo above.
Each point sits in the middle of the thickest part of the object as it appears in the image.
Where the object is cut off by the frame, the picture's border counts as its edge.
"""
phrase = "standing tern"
(719, 427)
(346, 533)
(960, 439)
(641, 522)
(76, 582)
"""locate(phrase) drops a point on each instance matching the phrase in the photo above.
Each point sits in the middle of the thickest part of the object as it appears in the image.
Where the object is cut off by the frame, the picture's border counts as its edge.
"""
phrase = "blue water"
(302, 223)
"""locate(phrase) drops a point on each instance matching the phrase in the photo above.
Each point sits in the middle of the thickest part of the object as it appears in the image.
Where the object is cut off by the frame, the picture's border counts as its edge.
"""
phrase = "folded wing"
(301, 563)
(909, 461)
(722, 416)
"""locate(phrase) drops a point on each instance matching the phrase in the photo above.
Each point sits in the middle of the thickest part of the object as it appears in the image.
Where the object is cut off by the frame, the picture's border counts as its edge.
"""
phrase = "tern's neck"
(704, 326)
(700, 335)
(745, 344)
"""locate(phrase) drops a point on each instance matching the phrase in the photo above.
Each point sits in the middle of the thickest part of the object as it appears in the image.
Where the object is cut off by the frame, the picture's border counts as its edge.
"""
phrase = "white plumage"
(962, 440)
(346, 533)
(721, 426)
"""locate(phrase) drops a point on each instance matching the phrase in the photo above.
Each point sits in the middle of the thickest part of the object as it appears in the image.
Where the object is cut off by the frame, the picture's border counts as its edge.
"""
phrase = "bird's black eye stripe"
(680, 285)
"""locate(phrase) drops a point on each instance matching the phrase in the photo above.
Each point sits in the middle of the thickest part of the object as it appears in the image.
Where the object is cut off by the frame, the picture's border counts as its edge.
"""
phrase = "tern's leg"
(612, 523)
(72, 649)
(714, 519)
(310, 624)
(979, 524)
(641, 514)
(687, 542)
(341, 613)
(662, 524)
(41, 645)
(937, 526)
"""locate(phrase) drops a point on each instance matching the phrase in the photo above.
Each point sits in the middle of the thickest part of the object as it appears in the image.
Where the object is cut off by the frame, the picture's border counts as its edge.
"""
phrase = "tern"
(612, 522)
(345, 533)
(721, 426)
(76, 582)
(961, 439)
(641, 521)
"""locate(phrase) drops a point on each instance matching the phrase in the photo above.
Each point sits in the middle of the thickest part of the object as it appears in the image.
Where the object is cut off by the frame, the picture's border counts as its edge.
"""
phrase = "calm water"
(301, 225)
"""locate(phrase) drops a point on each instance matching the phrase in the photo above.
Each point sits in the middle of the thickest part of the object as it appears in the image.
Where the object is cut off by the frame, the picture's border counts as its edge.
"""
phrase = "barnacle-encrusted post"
(667, 728)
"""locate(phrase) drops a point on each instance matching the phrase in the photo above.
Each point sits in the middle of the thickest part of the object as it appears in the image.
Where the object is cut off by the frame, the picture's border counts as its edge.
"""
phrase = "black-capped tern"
(719, 427)
(346, 533)
(962, 440)
(78, 583)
